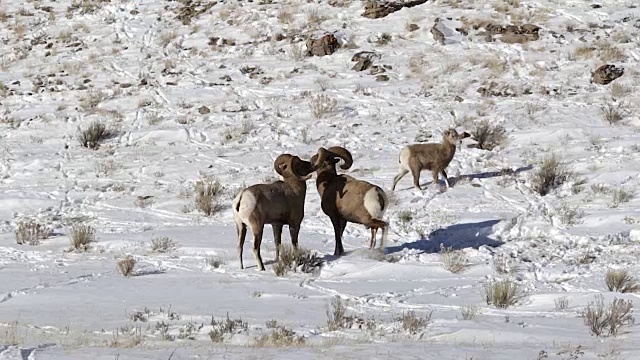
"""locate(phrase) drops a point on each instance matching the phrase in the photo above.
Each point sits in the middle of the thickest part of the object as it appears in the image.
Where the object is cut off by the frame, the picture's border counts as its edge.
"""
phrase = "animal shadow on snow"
(456, 237)
(492, 174)
(484, 175)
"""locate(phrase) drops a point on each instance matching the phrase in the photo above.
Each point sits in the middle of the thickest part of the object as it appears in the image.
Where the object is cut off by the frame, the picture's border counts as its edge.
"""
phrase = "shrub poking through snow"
(279, 336)
(413, 323)
(293, 259)
(31, 232)
(207, 193)
(215, 262)
(81, 236)
(604, 319)
(322, 106)
(502, 293)
(614, 113)
(488, 136)
(93, 135)
(621, 281)
(454, 261)
(621, 196)
(126, 265)
(503, 265)
(337, 315)
(468, 312)
(551, 174)
(226, 326)
(163, 245)
(561, 303)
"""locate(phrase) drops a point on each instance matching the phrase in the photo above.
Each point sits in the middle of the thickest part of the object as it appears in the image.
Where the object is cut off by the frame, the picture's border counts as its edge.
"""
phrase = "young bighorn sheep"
(432, 156)
(345, 199)
(279, 203)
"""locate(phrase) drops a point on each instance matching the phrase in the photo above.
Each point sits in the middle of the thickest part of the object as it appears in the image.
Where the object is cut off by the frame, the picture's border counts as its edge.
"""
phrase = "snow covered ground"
(222, 95)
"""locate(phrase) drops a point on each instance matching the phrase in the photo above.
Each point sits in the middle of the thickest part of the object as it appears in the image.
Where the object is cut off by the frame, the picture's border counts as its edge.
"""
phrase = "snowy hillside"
(204, 94)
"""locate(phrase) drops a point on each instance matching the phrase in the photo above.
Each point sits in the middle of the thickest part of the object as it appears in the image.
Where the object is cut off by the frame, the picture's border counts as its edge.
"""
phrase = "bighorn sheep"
(279, 203)
(345, 199)
(432, 156)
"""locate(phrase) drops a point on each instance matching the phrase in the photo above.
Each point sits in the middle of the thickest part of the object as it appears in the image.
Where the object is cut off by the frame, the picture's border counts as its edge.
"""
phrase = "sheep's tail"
(382, 198)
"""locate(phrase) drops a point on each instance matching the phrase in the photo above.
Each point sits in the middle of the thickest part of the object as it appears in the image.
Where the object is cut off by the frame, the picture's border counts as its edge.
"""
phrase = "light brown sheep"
(432, 156)
(279, 203)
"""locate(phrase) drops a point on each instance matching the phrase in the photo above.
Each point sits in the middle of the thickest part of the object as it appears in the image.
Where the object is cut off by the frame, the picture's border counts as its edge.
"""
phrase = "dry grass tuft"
(227, 326)
(468, 312)
(584, 52)
(94, 134)
(322, 106)
(503, 293)
(126, 265)
(285, 17)
(163, 245)
(81, 236)
(293, 258)
(551, 174)
(91, 99)
(621, 281)
(614, 113)
(489, 136)
(455, 261)
(413, 323)
(561, 303)
(279, 336)
(207, 193)
(31, 232)
(337, 315)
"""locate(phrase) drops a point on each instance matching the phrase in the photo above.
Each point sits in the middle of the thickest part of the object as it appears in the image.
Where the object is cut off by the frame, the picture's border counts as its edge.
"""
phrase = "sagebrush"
(551, 174)
(488, 136)
(126, 265)
(81, 236)
(621, 281)
(91, 136)
(608, 319)
(31, 232)
(207, 194)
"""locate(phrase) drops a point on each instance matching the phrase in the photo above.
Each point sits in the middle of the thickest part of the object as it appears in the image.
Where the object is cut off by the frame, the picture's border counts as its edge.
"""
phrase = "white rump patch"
(372, 204)
(405, 155)
(247, 205)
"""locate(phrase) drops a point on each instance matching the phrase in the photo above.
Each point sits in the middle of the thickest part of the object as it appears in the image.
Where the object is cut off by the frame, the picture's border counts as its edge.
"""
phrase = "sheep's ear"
(283, 167)
(465, 135)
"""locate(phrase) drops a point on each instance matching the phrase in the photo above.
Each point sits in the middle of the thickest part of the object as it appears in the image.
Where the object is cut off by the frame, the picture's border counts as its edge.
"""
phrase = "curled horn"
(344, 154)
(280, 160)
(319, 158)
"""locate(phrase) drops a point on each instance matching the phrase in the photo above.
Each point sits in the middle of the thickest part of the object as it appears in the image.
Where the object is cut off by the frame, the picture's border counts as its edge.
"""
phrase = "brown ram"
(345, 199)
(279, 203)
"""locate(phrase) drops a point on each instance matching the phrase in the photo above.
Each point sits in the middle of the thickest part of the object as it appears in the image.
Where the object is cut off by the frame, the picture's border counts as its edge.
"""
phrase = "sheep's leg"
(242, 233)
(337, 229)
(435, 176)
(375, 223)
(402, 173)
(257, 240)
(294, 230)
(343, 225)
(277, 238)
(415, 172)
(446, 178)
(374, 232)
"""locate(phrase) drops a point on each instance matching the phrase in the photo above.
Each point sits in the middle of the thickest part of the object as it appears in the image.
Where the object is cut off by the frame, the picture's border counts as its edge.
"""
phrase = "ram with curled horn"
(279, 203)
(346, 199)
